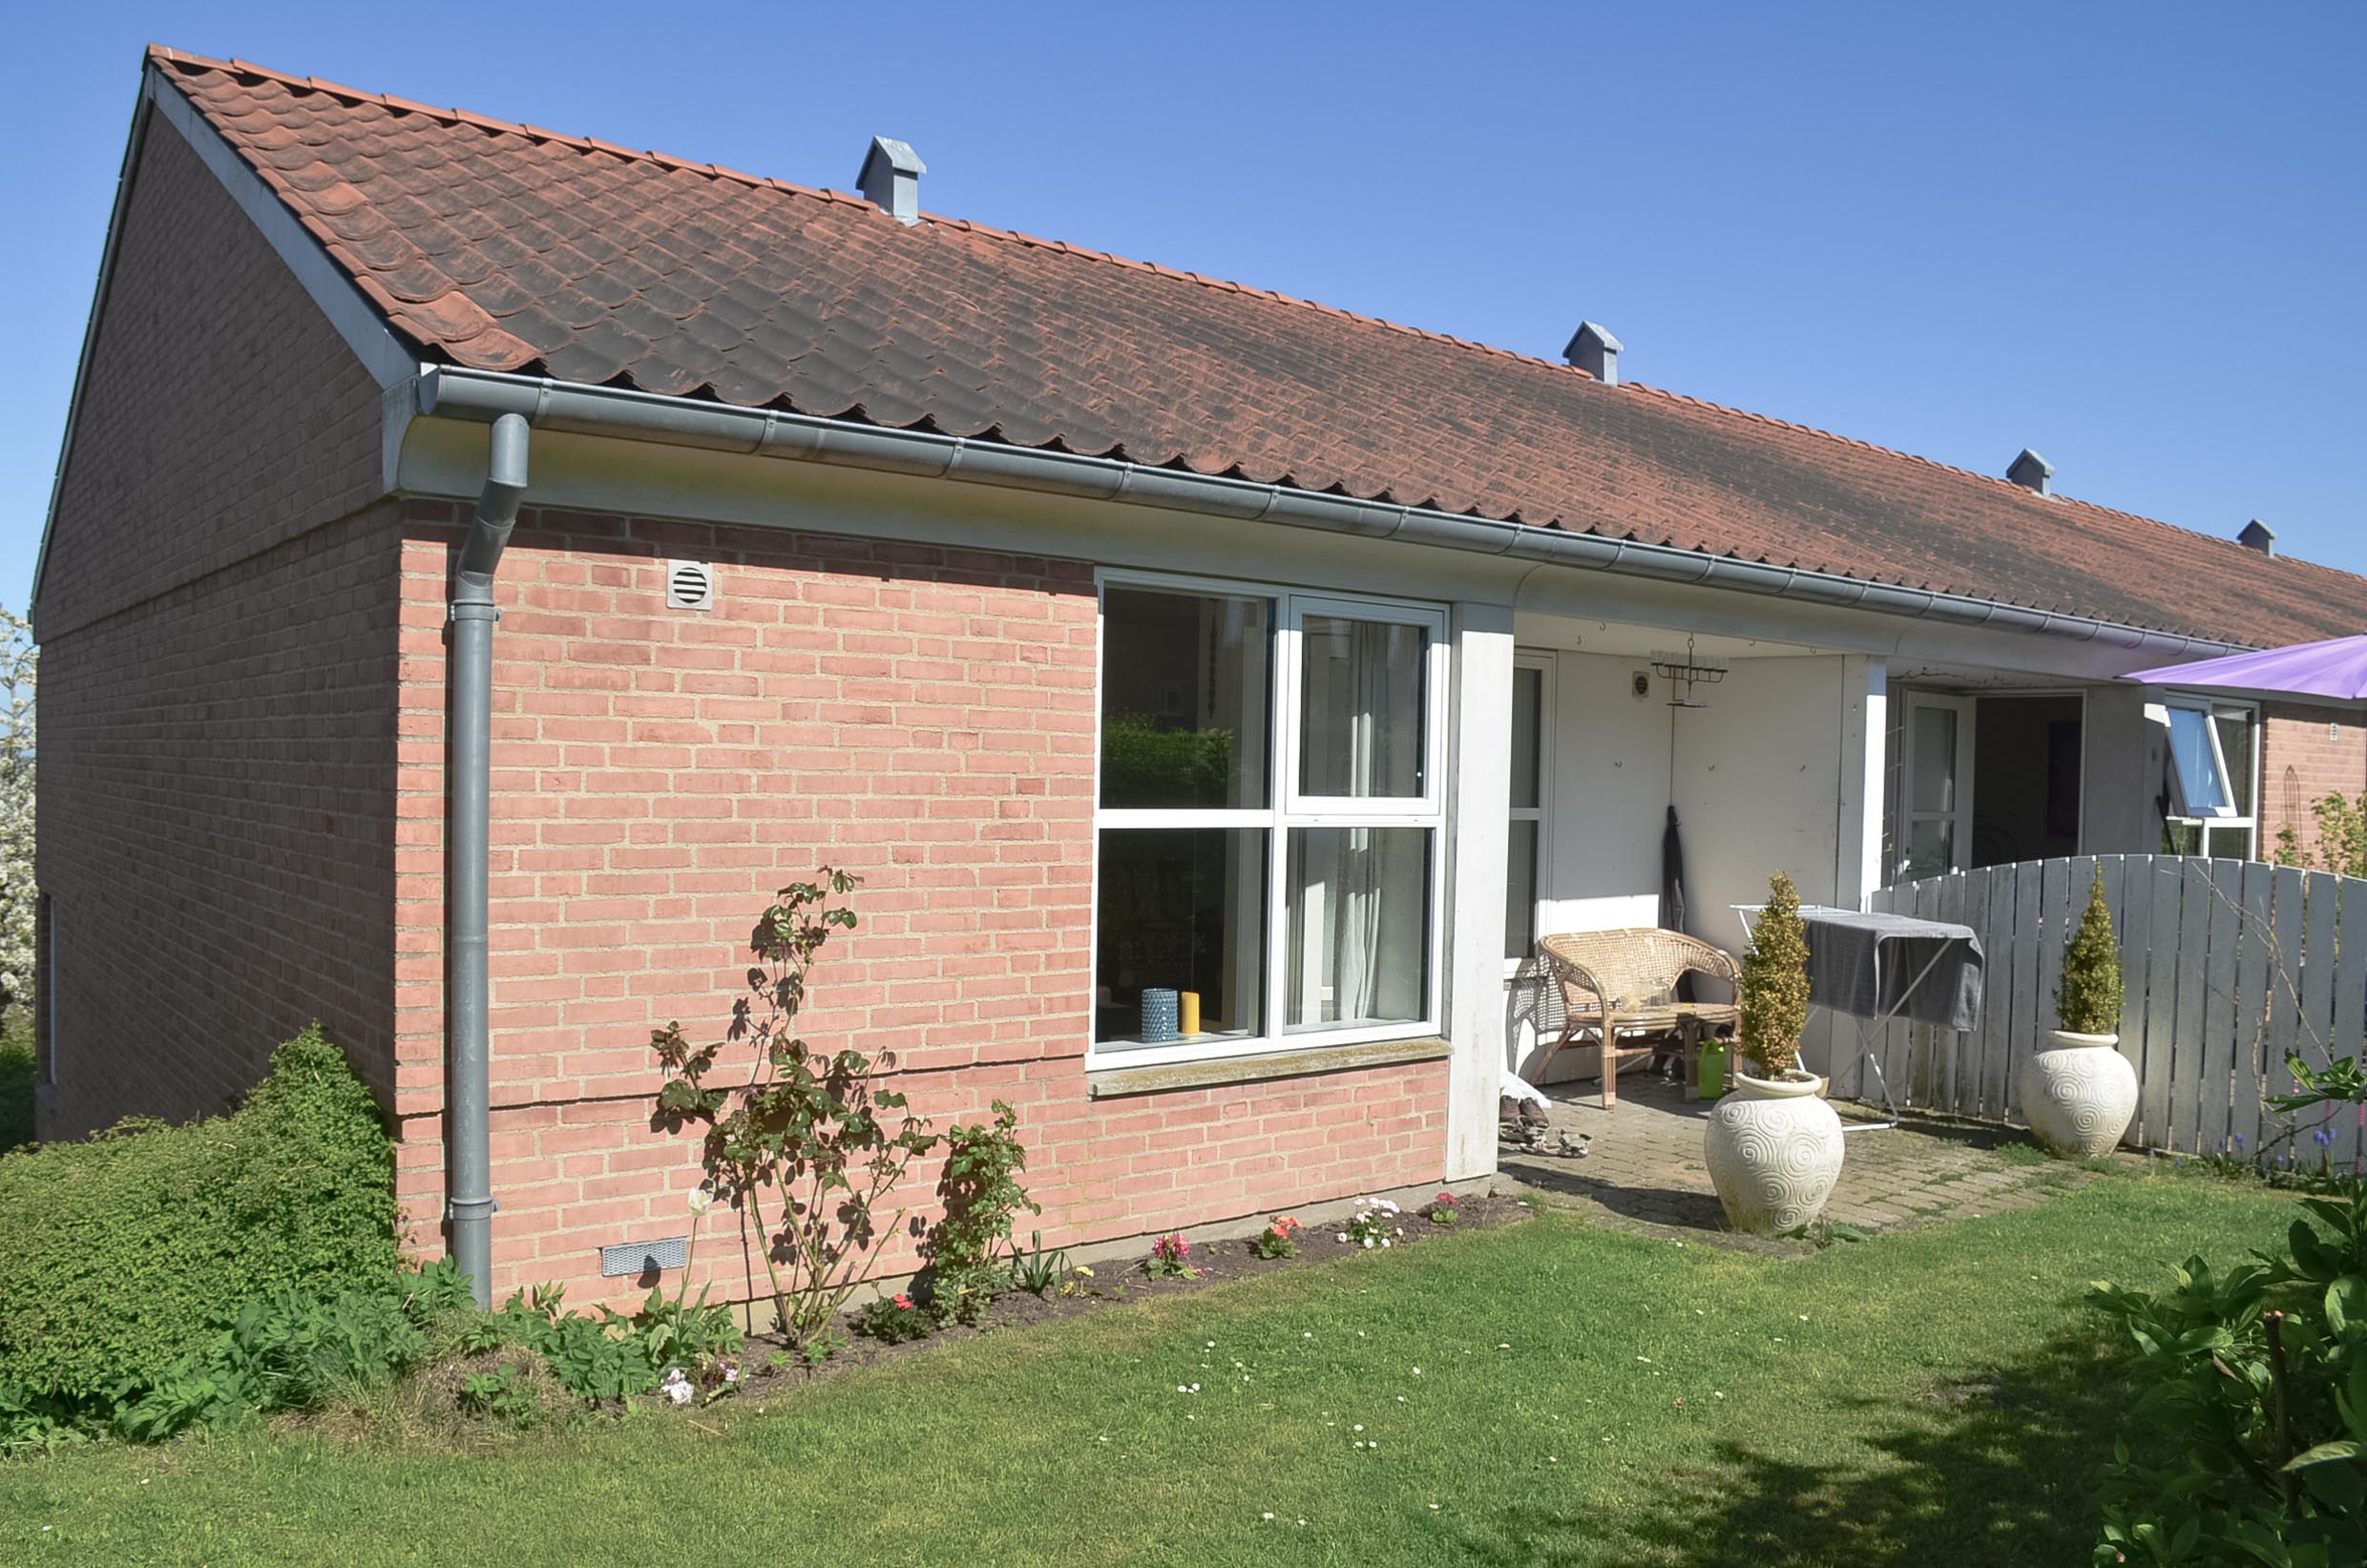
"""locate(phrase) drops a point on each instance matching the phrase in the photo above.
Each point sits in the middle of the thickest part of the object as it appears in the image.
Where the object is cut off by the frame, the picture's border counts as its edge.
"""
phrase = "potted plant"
(1774, 1147)
(2078, 1094)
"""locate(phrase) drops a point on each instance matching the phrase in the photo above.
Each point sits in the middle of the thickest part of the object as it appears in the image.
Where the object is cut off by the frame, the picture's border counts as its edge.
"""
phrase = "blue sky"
(2131, 236)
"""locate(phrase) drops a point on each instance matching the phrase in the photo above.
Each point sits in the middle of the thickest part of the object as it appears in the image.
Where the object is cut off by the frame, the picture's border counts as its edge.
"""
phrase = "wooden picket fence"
(2227, 965)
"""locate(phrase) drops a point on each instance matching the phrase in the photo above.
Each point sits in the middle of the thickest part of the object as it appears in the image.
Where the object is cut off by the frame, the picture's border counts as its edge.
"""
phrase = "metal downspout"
(471, 1207)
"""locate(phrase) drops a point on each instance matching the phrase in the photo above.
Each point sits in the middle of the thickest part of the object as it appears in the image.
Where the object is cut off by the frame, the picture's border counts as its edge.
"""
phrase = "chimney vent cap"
(2031, 471)
(1594, 350)
(2257, 536)
(891, 179)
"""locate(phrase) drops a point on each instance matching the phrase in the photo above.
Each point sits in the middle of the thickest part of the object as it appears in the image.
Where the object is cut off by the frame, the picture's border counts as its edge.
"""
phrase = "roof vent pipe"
(2259, 535)
(1595, 351)
(2032, 473)
(469, 1205)
(891, 179)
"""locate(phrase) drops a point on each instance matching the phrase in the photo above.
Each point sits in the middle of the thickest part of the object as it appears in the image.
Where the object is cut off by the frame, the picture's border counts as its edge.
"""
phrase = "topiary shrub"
(135, 1248)
(2088, 998)
(1774, 989)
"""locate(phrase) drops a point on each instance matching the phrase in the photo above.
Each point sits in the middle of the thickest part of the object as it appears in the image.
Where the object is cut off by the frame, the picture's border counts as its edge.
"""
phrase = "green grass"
(1932, 1396)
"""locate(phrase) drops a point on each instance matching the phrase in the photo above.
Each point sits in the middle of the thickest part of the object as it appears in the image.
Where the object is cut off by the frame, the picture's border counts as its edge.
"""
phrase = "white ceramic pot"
(2079, 1095)
(1774, 1152)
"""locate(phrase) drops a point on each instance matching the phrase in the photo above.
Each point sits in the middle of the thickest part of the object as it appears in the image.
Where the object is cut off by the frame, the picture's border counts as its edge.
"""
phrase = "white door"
(1935, 787)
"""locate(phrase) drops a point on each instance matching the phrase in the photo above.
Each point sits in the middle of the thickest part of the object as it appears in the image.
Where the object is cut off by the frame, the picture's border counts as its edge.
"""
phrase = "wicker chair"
(1625, 982)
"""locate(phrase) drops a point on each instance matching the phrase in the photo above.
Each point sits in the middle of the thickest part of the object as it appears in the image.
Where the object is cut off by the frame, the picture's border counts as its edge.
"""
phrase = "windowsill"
(1114, 1083)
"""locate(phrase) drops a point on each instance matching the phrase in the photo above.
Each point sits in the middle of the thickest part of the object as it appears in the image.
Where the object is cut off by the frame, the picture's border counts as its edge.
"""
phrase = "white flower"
(1341, 1236)
(731, 1374)
(700, 1200)
(676, 1387)
(1417, 1371)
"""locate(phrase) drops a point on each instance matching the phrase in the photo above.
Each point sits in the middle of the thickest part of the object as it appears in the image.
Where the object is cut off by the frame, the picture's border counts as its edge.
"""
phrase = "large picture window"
(1268, 818)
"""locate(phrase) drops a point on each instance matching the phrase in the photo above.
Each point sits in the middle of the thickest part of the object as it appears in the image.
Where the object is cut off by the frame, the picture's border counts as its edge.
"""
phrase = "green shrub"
(2087, 999)
(1774, 989)
(16, 1080)
(135, 1249)
(2246, 1444)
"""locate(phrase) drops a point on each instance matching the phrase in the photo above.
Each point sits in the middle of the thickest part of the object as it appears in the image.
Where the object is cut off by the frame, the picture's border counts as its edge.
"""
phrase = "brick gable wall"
(922, 716)
(221, 414)
(216, 829)
(216, 716)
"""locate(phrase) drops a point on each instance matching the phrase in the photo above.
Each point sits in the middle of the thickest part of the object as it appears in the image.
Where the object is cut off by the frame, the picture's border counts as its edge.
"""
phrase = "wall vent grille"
(644, 1257)
(690, 585)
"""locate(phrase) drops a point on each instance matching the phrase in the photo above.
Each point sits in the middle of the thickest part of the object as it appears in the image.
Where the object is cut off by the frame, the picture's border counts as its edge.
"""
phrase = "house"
(1128, 631)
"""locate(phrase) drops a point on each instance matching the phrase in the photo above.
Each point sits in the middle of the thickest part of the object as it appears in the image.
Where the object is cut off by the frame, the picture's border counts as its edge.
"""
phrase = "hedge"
(137, 1247)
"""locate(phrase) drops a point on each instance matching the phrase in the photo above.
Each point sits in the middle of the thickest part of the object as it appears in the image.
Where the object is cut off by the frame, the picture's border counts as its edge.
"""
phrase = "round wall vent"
(690, 585)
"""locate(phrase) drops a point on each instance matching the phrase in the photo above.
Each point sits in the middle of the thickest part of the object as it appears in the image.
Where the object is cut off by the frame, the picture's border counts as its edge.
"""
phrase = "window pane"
(1186, 687)
(2234, 727)
(1931, 847)
(1360, 937)
(1361, 734)
(2181, 837)
(1528, 712)
(1934, 760)
(1520, 892)
(1181, 909)
(2229, 843)
(2198, 771)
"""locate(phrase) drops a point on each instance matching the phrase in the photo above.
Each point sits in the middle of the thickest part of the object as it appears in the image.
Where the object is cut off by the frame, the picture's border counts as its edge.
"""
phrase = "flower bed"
(1117, 1281)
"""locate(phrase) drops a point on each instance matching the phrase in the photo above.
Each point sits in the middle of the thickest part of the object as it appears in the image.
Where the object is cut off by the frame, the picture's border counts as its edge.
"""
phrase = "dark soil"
(1115, 1282)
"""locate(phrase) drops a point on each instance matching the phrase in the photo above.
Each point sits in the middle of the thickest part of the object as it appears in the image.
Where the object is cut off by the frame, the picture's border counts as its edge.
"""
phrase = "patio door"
(1935, 833)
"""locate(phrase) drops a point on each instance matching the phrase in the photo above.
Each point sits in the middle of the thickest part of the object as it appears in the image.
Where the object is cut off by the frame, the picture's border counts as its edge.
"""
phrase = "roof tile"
(507, 247)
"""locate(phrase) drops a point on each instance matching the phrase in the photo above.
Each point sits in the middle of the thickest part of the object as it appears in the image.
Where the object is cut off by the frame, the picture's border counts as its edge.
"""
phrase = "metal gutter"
(575, 408)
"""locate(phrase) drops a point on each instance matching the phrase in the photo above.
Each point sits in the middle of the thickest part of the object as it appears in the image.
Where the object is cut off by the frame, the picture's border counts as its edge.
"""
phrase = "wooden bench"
(1625, 982)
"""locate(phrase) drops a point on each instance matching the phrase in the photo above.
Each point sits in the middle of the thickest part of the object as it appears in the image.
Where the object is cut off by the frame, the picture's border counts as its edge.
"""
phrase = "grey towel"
(1847, 951)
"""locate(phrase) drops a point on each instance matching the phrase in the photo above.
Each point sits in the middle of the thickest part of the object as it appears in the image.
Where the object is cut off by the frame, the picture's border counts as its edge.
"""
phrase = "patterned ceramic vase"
(1774, 1152)
(2079, 1095)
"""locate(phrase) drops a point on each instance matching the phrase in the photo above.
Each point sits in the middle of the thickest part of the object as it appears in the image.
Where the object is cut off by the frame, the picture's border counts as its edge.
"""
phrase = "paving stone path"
(1643, 1167)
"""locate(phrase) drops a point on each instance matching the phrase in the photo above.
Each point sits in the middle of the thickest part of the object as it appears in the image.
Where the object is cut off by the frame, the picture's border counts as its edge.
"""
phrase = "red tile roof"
(506, 247)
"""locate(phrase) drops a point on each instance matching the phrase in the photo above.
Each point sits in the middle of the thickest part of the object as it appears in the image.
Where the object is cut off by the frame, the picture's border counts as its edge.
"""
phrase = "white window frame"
(1287, 810)
(1544, 662)
(2210, 707)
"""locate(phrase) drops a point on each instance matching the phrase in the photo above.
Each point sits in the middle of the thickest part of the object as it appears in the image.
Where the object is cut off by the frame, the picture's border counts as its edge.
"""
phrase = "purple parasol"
(2335, 668)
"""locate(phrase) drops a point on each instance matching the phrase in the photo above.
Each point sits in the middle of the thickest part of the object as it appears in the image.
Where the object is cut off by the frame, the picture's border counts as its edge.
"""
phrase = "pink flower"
(1446, 1198)
(903, 1303)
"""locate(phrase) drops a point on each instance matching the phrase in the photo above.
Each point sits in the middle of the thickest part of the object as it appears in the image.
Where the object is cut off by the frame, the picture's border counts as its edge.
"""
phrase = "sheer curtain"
(1360, 914)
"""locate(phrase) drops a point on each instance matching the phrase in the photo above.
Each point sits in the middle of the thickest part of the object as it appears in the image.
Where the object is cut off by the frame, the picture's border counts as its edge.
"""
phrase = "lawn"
(1583, 1395)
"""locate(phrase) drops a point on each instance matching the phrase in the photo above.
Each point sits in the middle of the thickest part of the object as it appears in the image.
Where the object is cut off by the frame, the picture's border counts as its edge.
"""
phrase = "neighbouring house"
(1126, 630)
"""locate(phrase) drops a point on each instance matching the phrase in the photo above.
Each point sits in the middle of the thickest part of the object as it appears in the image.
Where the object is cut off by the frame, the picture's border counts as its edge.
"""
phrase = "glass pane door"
(1936, 786)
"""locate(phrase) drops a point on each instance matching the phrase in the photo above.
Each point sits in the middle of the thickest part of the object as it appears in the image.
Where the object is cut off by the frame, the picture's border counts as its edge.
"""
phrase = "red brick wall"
(216, 717)
(922, 716)
(216, 829)
(220, 413)
(2306, 753)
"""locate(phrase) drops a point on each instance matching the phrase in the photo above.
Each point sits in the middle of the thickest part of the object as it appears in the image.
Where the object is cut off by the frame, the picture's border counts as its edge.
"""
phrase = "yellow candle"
(1187, 1006)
